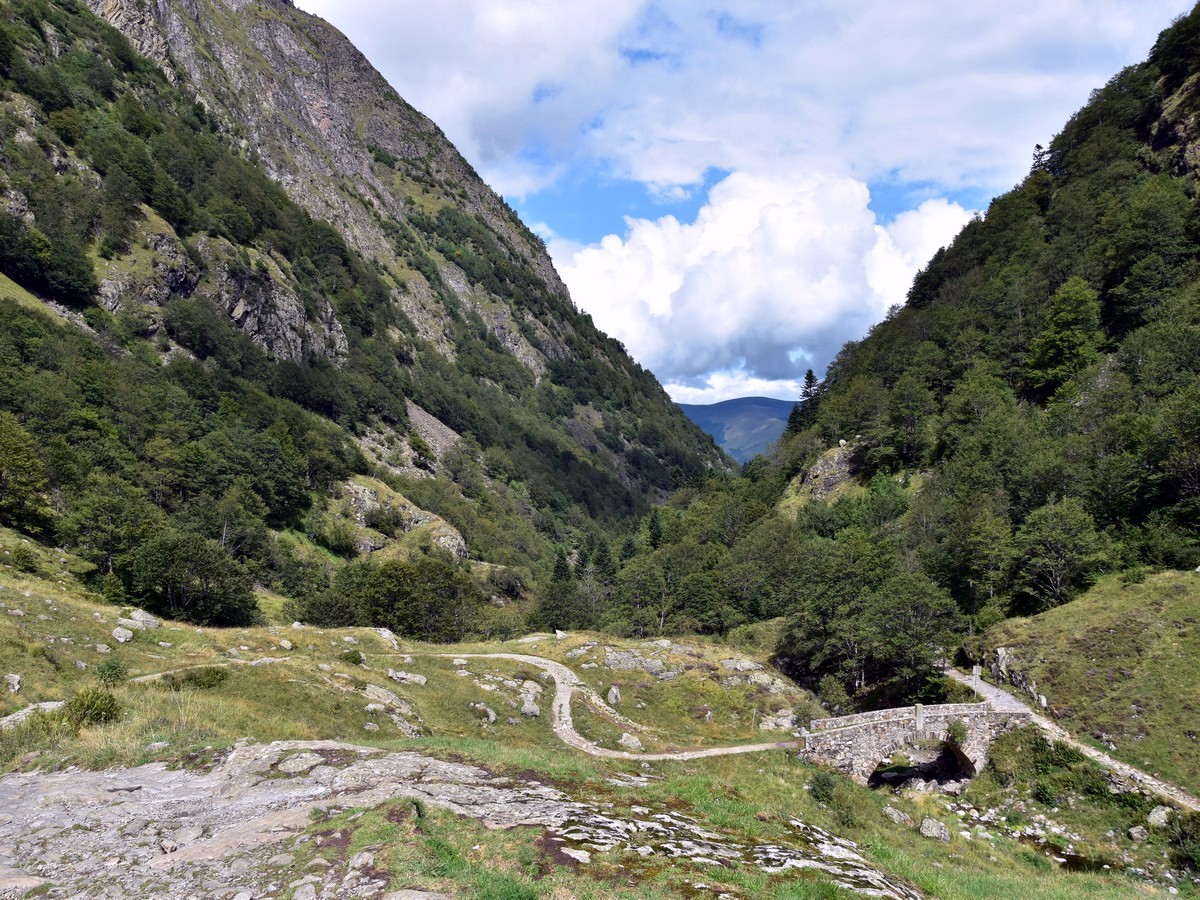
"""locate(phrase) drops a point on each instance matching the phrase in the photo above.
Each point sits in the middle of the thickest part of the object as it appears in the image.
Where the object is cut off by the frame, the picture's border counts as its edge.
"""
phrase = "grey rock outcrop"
(122, 635)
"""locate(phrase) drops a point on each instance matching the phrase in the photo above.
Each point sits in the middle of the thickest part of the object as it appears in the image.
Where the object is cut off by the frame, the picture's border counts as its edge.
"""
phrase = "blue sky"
(735, 189)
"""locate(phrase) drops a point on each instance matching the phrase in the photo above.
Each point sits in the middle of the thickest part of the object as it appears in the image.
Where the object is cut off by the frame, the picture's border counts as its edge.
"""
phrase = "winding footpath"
(567, 684)
(1004, 701)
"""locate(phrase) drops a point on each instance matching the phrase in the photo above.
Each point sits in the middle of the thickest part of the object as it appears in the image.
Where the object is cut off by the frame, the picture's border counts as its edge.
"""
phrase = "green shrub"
(822, 787)
(92, 706)
(112, 671)
(957, 732)
(23, 559)
(352, 657)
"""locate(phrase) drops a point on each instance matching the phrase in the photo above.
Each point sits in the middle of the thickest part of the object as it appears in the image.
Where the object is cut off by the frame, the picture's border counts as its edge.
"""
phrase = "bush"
(92, 706)
(23, 559)
(112, 671)
(352, 657)
(957, 732)
(822, 787)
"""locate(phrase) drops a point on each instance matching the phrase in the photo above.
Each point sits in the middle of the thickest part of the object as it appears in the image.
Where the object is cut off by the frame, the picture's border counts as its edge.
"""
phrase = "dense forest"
(1029, 419)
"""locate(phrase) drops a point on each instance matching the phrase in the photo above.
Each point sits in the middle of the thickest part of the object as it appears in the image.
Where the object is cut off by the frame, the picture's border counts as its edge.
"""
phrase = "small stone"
(899, 816)
(281, 859)
(371, 726)
(490, 714)
(530, 709)
(325, 667)
(459, 662)
(103, 648)
(243, 895)
(512, 721)
(614, 695)
(579, 855)
(1138, 834)
(349, 640)
(164, 644)
(14, 683)
(297, 625)
(122, 635)
(932, 828)
(285, 645)
(560, 635)
(156, 746)
(80, 664)
(629, 742)
(167, 845)
(305, 892)
(364, 860)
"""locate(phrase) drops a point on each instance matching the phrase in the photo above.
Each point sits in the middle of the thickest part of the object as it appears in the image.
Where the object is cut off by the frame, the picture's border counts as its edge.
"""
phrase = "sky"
(734, 190)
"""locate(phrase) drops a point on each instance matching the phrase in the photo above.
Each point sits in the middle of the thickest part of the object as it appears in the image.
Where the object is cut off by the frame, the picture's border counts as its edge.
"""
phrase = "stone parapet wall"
(899, 714)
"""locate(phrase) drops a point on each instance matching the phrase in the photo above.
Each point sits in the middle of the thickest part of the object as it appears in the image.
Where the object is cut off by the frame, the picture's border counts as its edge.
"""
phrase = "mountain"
(743, 427)
(243, 281)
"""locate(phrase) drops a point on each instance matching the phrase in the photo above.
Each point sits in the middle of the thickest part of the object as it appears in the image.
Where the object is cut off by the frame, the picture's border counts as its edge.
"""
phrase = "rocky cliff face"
(344, 145)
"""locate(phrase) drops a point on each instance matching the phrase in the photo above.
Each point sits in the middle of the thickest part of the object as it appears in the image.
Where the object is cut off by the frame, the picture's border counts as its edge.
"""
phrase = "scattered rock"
(14, 683)
(157, 745)
(371, 726)
(122, 635)
(614, 695)
(285, 645)
(932, 828)
(899, 816)
(281, 859)
(103, 648)
(630, 742)
(388, 636)
(406, 677)
(305, 892)
(364, 860)
(530, 709)
(1138, 834)
(1159, 817)
(560, 635)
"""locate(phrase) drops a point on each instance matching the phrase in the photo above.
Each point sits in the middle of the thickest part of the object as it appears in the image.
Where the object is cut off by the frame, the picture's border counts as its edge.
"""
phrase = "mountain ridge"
(743, 427)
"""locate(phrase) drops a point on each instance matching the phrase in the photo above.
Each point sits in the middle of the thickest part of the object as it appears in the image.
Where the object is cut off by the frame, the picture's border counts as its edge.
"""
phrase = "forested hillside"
(206, 384)
(1029, 419)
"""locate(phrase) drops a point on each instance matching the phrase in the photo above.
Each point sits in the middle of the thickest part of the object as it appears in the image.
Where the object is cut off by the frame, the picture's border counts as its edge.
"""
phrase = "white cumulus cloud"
(771, 278)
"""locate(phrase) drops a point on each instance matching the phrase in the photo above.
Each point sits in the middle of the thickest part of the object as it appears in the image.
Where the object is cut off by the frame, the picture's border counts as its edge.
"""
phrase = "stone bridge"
(858, 744)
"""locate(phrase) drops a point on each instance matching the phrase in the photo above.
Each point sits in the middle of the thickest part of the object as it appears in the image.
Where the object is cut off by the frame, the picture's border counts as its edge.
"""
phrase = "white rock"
(406, 677)
(363, 860)
(103, 648)
(297, 625)
(371, 726)
(122, 635)
(146, 620)
(560, 635)
(629, 742)
(614, 695)
(14, 683)
(530, 709)
(285, 645)
(1159, 817)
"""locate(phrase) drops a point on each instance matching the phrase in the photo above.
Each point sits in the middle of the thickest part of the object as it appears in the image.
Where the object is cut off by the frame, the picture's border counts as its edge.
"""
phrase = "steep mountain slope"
(743, 427)
(276, 275)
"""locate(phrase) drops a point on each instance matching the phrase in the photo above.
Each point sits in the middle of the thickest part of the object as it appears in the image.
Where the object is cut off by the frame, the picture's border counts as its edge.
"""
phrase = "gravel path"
(567, 685)
(1003, 700)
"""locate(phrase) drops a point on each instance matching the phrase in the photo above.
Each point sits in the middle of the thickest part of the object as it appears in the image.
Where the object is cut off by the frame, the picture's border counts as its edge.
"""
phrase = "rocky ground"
(242, 829)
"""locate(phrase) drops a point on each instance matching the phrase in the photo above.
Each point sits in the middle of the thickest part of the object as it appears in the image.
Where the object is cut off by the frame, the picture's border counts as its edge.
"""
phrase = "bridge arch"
(857, 744)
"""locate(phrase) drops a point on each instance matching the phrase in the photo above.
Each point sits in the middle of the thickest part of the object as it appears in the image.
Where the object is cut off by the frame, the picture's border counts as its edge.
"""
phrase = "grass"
(751, 798)
(1118, 665)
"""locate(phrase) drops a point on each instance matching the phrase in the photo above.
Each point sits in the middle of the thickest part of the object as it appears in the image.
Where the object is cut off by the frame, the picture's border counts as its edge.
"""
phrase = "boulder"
(131, 624)
(614, 695)
(1159, 817)
(285, 645)
(530, 709)
(146, 620)
(13, 682)
(122, 635)
(406, 677)
(932, 828)
(1138, 834)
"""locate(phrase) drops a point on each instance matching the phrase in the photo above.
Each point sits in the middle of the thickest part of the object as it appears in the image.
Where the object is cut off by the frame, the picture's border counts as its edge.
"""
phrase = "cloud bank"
(772, 277)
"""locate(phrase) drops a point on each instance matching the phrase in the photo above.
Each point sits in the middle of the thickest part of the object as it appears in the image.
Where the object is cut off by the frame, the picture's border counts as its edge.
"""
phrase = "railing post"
(919, 714)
